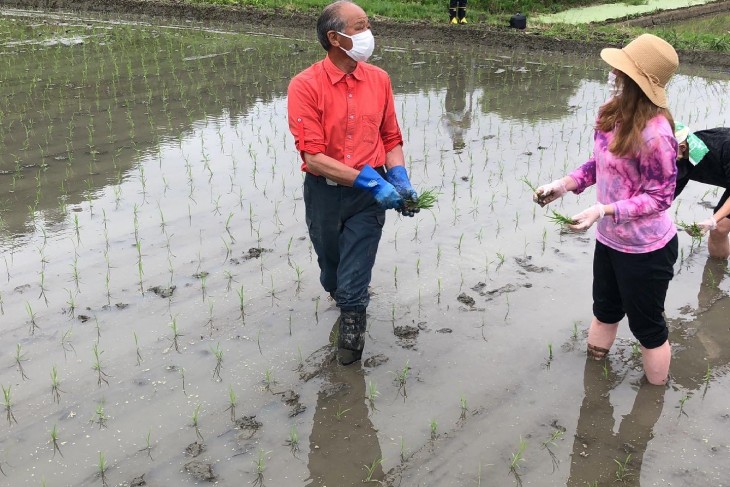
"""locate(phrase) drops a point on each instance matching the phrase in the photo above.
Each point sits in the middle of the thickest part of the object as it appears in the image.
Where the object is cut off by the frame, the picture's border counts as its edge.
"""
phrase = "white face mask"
(613, 88)
(363, 45)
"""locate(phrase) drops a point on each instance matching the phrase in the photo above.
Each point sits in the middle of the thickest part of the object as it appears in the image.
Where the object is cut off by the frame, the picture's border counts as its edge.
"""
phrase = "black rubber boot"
(351, 338)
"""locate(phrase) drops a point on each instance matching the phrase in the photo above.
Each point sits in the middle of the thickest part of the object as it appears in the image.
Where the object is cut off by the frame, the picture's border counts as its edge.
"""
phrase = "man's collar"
(335, 74)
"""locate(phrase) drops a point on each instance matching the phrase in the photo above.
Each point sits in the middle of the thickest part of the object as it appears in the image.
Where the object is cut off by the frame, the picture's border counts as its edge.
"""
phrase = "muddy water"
(139, 157)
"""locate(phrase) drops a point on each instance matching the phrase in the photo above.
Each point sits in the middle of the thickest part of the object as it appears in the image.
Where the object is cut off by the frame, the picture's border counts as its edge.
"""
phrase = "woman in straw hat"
(704, 156)
(634, 169)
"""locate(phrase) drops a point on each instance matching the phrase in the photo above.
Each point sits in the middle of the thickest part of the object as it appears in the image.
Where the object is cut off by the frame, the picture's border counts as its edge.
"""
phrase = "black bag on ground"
(518, 21)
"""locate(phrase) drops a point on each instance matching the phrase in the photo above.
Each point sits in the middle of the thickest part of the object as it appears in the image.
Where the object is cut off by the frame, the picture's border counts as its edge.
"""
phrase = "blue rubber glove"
(398, 177)
(384, 193)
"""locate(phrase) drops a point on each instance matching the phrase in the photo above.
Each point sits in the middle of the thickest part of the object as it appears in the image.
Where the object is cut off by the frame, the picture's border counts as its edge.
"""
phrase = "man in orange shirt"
(342, 116)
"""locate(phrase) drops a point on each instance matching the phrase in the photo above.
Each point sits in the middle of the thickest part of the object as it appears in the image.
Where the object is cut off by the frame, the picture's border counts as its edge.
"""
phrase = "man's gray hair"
(329, 20)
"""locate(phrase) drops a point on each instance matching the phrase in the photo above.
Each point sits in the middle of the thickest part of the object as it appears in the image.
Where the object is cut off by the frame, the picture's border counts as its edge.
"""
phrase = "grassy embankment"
(707, 34)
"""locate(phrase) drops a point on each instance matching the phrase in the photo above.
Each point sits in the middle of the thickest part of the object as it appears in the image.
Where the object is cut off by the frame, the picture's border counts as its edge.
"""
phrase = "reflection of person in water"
(596, 447)
(457, 116)
(704, 156)
(343, 438)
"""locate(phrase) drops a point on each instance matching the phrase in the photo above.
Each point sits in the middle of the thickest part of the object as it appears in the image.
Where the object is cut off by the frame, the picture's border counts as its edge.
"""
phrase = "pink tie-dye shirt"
(640, 188)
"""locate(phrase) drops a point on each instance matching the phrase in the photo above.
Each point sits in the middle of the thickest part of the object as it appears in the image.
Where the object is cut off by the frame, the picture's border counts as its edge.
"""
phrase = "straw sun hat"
(649, 61)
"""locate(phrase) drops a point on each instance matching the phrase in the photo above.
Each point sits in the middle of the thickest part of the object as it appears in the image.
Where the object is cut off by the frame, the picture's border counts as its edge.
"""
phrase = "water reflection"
(343, 439)
(700, 348)
(596, 448)
(458, 102)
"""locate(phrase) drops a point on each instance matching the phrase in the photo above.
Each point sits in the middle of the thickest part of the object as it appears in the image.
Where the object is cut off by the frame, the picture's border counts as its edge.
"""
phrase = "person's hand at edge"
(384, 193)
(586, 218)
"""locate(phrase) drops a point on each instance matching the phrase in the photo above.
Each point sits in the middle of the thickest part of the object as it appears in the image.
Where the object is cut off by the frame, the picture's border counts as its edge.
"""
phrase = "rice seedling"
(372, 393)
(241, 305)
(101, 376)
(54, 441)
(218, 354)
(195, 419)
(403, 452)
(175, 335)
(401, 377)
(682, 400)
(100, 416)
(102, 469)
(550, 442)
(517, 459)
(8, 405)
(19, 359)
(32, 319)
(425, 201)
(605, 369)
(692, 229)
(55, 386)
(182, 379)
(560, 219)
(66, 344)
(463, 407)
(232, 401)
(260, 465)
(433, 427)
(371, 469)
(293, 439)
(136, 346)
(622, 470)
(340, 413)
(268, 379)
(706, 380)
(148, 445)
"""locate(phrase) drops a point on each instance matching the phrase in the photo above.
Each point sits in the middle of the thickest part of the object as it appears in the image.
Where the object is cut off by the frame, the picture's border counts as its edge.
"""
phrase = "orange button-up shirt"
(349, 117)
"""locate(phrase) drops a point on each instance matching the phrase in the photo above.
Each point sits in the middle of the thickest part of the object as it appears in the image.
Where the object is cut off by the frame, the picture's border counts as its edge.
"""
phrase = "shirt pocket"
(371, 127)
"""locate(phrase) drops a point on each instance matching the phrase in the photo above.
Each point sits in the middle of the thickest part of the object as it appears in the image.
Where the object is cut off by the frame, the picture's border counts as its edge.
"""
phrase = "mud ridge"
(480, 35)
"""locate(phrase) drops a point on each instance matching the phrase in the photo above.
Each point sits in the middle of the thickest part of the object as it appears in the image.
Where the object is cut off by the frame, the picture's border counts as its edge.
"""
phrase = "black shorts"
(634, 285)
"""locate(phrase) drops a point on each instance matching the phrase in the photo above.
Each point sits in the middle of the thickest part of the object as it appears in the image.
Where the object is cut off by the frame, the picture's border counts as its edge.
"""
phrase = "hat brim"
(618, 59)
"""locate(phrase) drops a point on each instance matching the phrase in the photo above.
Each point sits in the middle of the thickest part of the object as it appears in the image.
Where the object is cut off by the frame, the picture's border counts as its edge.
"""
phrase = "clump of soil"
(526, 264)
(466, 299)
(200, 470)
(291, 399)
(253, 253)
(375, 361)
(138, 481)
(163, 291)
(194, 449)
(406, 332)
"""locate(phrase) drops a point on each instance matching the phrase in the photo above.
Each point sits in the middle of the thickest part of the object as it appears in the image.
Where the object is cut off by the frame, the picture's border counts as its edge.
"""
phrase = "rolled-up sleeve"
(658, 173)
(584, 176)
(304, 117)
(390, 130)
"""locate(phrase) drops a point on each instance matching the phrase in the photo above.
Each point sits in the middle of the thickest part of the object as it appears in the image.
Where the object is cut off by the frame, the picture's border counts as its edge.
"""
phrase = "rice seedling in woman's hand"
(692, 229)
(559, 219)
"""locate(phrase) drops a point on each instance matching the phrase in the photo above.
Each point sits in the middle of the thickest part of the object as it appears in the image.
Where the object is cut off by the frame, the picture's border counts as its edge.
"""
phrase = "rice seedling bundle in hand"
(560, 219)
(692, 229)
(425, 201)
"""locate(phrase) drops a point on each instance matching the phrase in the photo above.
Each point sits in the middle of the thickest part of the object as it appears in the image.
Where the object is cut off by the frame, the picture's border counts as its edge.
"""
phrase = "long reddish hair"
(630, 110)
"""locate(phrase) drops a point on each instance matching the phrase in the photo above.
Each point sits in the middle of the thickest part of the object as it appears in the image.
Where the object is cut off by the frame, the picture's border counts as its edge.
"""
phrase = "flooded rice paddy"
(162, 318)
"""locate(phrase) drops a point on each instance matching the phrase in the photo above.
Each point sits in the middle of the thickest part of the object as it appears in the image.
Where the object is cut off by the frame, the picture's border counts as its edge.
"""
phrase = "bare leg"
(600, 338)
(656, 363)
(718, 243)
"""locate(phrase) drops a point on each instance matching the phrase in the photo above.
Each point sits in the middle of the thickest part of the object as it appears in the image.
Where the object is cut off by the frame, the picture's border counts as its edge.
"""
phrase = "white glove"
(586, 218)
(707, 225)
(547, 193)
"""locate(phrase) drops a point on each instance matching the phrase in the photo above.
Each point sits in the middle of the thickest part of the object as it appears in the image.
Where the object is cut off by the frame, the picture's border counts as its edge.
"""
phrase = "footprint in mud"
(163, 291)
(291, 399)
(375, 361)
(407, 335)
(249, 426)
(200, 470)
(526, 264)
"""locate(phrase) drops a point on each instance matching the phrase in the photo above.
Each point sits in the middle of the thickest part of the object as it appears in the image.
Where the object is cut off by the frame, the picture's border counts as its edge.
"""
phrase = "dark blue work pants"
(345, 225)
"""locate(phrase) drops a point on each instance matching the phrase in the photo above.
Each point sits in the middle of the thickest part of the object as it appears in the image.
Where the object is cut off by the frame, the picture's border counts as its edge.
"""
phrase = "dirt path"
(487, 36)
